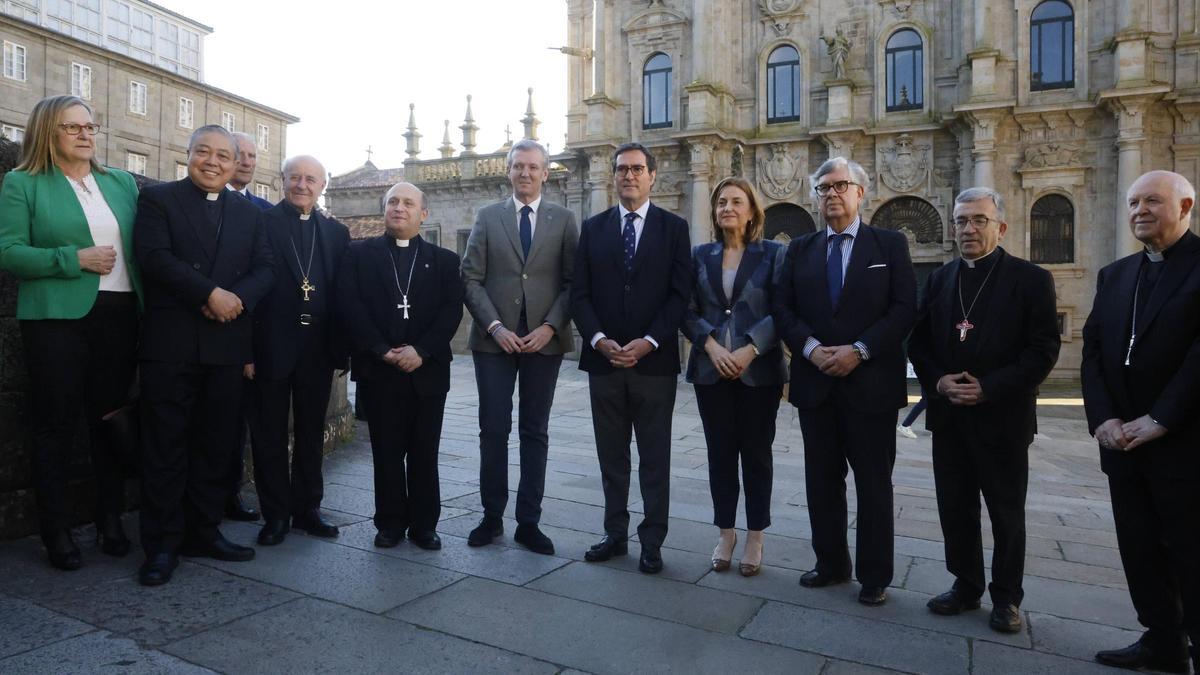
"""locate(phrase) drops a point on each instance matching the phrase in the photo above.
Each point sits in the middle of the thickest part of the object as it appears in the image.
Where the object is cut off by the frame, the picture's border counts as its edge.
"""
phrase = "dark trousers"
(305, 393)
(625, 403)
(406, 432)
(78, 365)
(739, 423)
(190, 414)
(237, 461)
(1156, 507)
(966, 464)
(835, 436)
(915, 412)
(495, 376)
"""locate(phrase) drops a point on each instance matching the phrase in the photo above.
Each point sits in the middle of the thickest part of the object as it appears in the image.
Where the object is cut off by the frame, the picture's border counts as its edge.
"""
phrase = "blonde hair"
(39, 151)
(754, 229)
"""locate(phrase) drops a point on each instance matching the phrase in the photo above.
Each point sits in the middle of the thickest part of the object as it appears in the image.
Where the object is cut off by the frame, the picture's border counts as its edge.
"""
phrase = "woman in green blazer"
(66, 233)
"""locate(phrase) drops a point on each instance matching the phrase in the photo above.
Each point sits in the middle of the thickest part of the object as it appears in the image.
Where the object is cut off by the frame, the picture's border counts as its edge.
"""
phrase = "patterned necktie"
(833, 268)
(629, 240)
(526, 230)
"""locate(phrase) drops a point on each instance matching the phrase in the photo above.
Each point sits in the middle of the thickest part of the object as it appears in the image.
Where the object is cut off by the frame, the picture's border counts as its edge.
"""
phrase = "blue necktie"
(833, 268)
(629, 240)
(526, 230)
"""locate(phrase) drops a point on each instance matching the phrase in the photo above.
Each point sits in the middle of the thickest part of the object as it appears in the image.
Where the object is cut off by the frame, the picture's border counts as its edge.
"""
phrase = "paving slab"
(98, 652)
(857, 639)
(591, 637)
(25, 626)
(685, 603)
(351, 641)
(993, 659)
(1076, 639)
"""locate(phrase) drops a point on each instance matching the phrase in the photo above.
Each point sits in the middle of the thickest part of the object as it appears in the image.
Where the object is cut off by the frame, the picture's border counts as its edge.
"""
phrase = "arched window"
(1052, 46)
(656, 92)
(783, 85)
(786, 221)
(904, 58)
(1052, 230)
(911, 215)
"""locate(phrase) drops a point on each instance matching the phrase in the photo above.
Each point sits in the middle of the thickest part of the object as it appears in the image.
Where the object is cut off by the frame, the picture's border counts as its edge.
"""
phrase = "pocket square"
(871, 267)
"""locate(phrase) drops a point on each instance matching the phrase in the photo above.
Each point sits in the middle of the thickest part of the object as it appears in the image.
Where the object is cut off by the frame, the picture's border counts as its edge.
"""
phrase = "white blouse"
(105, 231)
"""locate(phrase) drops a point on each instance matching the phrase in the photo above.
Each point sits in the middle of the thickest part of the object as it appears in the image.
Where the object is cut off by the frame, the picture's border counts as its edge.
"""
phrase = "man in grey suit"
(517, 271)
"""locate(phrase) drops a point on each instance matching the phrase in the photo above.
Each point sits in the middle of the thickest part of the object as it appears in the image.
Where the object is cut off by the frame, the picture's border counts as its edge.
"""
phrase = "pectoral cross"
(306, 287)
(1129, 352)
(404, 306)
(963, 327)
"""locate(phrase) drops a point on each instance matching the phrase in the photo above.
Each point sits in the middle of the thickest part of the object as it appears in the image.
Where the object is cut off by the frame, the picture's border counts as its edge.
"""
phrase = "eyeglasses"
(979, 222)
(839, 187)
(635, 170)
(74, 129)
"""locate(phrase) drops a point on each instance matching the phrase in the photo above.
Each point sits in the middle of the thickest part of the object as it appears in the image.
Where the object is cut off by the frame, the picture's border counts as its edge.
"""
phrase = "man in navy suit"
(244, 173)
(630, 290)
(845, 304)
(1141, 391)
(205, 263)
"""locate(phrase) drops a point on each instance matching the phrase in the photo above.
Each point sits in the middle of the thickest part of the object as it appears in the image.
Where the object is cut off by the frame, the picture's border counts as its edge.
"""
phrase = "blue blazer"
(747, 315)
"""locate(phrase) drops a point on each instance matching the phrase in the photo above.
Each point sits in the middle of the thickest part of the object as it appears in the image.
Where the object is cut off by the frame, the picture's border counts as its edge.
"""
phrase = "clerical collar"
(1155, 256)
(403, 243)
(212, 196)
(972, 263)
(296, 212)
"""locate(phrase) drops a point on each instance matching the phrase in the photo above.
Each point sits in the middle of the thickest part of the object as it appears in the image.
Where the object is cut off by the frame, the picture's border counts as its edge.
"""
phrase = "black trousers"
(625, 403)
(739, 423)
(305, 393)
(965, 465)
(237, 461)
(495, 376)
(190, 414)
(406, 431)
(1156, 507)
(835, 436)
(78, 365)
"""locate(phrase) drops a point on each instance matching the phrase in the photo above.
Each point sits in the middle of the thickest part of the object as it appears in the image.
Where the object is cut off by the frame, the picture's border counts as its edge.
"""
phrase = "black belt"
(308, 319)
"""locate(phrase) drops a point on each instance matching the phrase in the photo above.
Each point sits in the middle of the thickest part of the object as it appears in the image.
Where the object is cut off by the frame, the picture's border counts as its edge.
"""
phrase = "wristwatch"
(862, 356)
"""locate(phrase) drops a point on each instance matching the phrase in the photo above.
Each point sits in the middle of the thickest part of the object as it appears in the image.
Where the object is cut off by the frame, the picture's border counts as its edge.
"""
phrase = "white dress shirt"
(847, 249)
(105, 232)
(638, 224)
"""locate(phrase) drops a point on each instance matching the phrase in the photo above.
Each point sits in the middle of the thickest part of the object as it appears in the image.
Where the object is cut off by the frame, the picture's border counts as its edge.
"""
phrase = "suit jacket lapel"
(1000, 292)
(195, 218)
(1176, 269)
(863, 252)
(712, 268)
(324, 230)
(751, 257)
(508, 221)
(818, 259)
(942, 320)
(545, 221)
(610, 236)
(651, 235)
(284, 244)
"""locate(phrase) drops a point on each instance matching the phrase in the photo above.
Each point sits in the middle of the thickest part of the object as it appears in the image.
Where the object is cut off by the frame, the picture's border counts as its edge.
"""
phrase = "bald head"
(303, 182)
(1160, 208)
(404, 209)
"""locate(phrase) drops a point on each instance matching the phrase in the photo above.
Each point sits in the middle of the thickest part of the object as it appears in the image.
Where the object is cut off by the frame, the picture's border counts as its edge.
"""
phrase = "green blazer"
(42, 227)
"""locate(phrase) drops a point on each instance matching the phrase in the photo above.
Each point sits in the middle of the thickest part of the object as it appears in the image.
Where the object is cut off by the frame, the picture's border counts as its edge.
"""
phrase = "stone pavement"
(313, 605)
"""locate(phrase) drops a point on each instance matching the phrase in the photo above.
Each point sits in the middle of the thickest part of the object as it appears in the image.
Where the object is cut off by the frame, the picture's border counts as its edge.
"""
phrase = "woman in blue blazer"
(66, 233)
(736, 364)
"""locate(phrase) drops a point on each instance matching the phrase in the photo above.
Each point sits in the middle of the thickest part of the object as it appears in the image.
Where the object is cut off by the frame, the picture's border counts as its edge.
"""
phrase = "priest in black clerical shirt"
(296, 349)
(205, 264)
(986, 337)
(400, 302)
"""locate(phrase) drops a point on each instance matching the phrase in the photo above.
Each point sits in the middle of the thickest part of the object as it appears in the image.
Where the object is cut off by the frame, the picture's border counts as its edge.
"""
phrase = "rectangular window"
(87, 20)
(22, 9)
(180, 171)
(263, 138)
(58, 15)
(137, 98)
(263, 191)
(14, 61)
(186, 113)
(228, 121)
(131, 31)
(13, 133)
(81, 81)
(135, 163)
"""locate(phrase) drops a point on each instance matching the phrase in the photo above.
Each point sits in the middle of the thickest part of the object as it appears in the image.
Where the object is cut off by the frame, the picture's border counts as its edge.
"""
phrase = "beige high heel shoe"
(721, 564)
(746, 569)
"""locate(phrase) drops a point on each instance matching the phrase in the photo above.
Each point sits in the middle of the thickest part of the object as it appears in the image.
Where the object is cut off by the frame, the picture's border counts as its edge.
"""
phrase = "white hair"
(974, 194)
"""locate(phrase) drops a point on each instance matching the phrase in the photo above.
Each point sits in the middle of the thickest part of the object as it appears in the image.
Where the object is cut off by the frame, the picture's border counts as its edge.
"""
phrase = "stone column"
(599, 179)
(983, 150)
(1131, 140)
(700, 169)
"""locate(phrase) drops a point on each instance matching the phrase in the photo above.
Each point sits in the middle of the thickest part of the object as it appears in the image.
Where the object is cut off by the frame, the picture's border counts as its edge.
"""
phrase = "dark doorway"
(786, 222)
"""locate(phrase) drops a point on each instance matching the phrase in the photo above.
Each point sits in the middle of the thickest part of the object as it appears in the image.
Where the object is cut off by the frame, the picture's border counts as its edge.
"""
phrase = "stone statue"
(838, 47)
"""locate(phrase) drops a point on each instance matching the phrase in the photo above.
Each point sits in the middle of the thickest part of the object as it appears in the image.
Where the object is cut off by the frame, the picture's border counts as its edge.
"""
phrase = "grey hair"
(214, 129)
(527, 144)
(974, 194)
(388, 194)
(857, 173)
(243, 135)
(287, 163)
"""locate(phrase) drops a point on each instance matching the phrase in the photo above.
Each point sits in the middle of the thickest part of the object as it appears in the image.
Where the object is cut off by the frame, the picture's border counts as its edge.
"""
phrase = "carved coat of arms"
(904, 166)
(780, 175)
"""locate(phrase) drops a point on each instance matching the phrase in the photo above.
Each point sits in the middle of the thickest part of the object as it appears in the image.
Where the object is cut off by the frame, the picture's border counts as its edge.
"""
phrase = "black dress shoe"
(650, 561)
(273, 532)
(487, 530)
(388, 538)
(62, 551)
(315, 524)
(1142, 655)
(1006, 618)
(815, 579)
(872, 595)
(157, 569)
(110, 536)
(236, 510)
(951, 603)
(218, 548)
(606, 548)
(529, 536)
(426, 539)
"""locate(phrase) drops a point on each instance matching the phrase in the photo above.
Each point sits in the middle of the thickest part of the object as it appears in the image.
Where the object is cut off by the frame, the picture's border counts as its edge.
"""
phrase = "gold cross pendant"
(306, 287)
